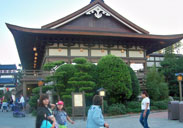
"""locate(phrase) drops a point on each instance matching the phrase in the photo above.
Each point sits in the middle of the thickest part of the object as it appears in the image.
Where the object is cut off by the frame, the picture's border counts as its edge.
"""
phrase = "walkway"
(156, 120)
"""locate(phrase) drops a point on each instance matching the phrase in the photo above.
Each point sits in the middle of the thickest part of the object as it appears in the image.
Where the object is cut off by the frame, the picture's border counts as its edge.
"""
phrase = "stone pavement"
(156, 120)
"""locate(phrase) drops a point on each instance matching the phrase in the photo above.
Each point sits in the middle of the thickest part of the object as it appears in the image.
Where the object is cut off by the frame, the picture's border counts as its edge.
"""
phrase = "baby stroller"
(18, 110)
(5, 107)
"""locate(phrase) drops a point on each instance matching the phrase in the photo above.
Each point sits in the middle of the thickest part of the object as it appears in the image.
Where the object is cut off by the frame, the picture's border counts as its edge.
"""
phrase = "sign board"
(78, 100)
(78, 105)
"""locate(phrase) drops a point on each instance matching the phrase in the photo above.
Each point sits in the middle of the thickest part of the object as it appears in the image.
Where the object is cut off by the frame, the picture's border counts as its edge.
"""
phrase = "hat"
(60, 103)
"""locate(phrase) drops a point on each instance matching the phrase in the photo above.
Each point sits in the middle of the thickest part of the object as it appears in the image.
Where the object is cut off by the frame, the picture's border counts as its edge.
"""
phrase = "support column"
(24, 90)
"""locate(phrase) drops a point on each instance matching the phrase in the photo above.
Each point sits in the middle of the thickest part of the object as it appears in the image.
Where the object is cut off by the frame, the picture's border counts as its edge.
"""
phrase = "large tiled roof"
(8, 67)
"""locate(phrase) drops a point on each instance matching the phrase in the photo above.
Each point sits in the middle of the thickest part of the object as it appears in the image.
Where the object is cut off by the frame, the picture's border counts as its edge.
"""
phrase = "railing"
(34, 75)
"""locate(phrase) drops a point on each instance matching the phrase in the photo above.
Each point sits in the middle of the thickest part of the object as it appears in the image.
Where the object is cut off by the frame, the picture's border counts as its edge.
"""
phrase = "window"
(137, 67)
(151, 58)
(158, 64)
(150, 64)
(157, 58)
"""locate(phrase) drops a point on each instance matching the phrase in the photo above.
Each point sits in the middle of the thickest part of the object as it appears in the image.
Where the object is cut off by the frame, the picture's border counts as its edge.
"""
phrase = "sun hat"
(60, 103)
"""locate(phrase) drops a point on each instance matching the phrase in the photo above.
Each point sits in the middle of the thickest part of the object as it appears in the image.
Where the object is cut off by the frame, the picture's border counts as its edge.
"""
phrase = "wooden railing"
(34, 75)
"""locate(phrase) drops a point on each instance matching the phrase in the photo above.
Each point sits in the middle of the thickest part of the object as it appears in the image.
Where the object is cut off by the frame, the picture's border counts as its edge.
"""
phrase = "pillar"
(24, 90)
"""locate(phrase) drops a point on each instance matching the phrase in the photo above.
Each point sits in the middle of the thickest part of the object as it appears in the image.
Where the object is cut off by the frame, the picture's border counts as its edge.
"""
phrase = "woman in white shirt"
(145, 107)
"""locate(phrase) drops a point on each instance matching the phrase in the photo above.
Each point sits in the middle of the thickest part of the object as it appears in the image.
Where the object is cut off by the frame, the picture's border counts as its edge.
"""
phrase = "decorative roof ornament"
(98, 11)
(95, 0)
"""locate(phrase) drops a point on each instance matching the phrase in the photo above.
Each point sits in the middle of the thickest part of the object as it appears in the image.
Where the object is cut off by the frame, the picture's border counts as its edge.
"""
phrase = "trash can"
(181, 111)
(173, 110)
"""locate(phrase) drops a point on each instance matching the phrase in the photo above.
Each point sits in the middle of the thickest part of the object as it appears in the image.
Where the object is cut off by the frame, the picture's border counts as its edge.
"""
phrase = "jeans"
(143, 120)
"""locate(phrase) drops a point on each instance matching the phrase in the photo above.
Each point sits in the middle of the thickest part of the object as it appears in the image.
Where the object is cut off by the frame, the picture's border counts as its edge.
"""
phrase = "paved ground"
(156, 120)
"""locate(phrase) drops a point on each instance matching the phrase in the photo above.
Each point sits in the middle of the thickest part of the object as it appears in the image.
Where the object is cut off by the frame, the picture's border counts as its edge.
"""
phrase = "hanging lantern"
(81, 50)
(160, 51)
(140, 51)
(35, 61)
(35, 58)
(34, 49)
(102, 50)
(59, 49)
(36, 54)
(122, 50)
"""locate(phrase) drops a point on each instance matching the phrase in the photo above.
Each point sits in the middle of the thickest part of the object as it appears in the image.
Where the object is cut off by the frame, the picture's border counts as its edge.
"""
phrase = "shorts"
(62, 126)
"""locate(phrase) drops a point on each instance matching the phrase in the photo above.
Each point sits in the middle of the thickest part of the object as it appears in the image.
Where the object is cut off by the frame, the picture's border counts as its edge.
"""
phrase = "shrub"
(160, 104)
(135, 84)
(114, 76)
(116, 109)
(154, 108)
(133, 106)
(156, 86)
(69, 110)
(105, 106)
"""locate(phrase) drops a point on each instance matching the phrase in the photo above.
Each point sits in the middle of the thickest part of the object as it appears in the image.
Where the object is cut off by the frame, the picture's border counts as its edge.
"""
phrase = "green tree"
(156, 86)
(114, 76)
(169, 67)
(82, 80)
(135, 84)
(62, 76)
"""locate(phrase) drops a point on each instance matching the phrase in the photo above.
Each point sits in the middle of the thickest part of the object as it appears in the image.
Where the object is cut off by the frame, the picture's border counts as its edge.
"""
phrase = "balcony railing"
(34, 75)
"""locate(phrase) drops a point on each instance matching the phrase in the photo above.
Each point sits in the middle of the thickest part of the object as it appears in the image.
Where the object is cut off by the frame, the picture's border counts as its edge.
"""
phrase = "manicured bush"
(82, 81)
(117, 109)
(115, 77)
(135, 84)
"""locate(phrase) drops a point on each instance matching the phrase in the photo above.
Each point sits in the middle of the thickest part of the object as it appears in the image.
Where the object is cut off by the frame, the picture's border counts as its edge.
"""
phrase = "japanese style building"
(8, 77)
(93, 31)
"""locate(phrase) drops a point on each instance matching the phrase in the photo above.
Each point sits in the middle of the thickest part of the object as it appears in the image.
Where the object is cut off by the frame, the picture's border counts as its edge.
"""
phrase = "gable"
(91, 23)
(96, 12)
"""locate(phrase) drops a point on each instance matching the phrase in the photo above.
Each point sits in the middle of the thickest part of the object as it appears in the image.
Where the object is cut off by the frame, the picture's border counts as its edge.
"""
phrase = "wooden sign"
(78, 105)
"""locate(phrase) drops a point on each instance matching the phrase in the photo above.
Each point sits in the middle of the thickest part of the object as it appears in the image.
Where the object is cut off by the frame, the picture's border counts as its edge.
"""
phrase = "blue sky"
(156, 16)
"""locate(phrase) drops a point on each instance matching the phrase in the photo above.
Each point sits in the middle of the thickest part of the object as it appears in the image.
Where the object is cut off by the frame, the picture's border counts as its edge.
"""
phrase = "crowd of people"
(8, 104)
(55, 116)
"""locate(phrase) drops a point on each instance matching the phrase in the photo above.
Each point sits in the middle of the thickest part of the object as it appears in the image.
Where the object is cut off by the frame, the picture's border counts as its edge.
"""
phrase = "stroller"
(18, 110)
(5, 107)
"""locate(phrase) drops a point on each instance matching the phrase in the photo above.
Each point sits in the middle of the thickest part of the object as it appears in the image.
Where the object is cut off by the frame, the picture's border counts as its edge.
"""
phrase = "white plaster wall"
(136, 54)
(56, 52)
(76, 52)
(98, 53)
(118, 53)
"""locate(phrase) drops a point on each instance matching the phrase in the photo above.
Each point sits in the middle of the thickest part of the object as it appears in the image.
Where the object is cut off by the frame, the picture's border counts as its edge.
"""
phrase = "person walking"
(45, 118)
(22, 101)
(61, 116)
(145, 107)
(95, 118)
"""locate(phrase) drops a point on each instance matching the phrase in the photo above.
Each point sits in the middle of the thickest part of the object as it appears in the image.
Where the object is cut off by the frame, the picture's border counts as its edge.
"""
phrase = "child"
(61, 116)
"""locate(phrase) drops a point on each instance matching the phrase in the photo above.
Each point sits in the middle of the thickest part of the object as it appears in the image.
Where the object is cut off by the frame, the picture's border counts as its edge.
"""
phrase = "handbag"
(46, 124)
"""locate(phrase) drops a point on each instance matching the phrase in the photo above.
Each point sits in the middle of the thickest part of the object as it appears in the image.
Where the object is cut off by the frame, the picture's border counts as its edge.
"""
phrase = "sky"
(157, 16)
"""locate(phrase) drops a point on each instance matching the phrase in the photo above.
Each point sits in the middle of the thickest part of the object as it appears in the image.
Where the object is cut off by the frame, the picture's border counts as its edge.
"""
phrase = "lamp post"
(102, 93)
(179, 79)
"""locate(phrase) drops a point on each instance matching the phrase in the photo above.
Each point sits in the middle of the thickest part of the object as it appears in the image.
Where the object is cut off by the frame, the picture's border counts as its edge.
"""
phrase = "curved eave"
(91, 33)
(26, 37)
